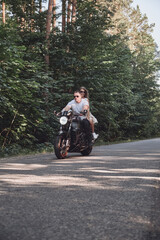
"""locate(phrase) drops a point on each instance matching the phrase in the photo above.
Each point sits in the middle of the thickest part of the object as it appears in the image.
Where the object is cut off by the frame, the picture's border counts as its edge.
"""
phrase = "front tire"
(87, 151)
(60, 147)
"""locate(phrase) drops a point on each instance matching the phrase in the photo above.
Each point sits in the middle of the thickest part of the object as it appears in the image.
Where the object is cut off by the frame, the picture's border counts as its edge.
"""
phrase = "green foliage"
(97, 52)
(20, 97)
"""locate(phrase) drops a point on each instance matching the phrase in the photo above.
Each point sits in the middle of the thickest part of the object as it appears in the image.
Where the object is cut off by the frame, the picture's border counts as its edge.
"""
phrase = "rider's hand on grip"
(84, 112)
(65, 113)
(56, 113)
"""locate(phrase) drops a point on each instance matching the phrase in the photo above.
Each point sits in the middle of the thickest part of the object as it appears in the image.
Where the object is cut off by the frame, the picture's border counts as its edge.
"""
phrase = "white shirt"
(78, 107)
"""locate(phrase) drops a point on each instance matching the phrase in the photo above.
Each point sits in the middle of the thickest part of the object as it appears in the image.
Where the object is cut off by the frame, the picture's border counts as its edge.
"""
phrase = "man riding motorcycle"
(80, 107)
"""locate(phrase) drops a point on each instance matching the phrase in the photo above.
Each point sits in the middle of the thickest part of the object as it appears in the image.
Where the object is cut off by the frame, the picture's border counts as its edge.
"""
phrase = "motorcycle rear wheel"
(87, 151)
(60, 147)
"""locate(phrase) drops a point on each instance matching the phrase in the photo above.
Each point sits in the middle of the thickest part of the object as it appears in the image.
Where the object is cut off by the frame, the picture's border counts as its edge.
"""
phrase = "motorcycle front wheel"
(87, 151)
(60, 147)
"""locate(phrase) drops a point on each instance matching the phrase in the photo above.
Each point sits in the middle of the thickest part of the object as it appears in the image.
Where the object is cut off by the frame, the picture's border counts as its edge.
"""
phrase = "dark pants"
(87, 128)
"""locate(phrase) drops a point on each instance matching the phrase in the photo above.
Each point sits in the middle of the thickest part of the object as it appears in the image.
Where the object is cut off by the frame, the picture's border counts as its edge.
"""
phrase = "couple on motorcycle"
(80, 106)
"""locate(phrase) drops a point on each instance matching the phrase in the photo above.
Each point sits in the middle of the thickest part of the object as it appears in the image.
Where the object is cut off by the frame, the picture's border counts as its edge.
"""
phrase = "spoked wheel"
(60, 147)
(87, 151)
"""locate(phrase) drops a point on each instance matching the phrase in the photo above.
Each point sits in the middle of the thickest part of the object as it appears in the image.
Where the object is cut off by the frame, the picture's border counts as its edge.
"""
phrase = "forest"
(48, 49)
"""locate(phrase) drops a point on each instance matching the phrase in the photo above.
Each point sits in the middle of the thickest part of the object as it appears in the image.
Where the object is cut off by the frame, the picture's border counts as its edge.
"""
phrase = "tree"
(20, 98)
(68, 14)
(74, 10)
(3, 12)
(51, 3)
(63, 15)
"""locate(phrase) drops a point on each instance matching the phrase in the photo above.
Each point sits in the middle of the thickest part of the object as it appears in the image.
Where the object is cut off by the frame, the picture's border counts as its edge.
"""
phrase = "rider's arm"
(86, 104)
(86, 107)
(68, 106)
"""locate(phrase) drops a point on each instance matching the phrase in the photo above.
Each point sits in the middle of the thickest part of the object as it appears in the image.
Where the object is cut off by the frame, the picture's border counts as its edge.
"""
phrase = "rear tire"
(60, 147)
(87, 151)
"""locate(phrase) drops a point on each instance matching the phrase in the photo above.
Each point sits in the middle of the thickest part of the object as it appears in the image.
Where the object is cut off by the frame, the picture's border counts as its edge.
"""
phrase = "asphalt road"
(113, 194)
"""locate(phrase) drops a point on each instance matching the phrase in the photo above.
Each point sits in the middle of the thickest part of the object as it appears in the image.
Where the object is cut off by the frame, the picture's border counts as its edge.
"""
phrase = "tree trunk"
(48, 27)
(23, 20)
(63, 15)
(73, 11)
(32, 12)
(3, 13)
(40, 6)
(49, 18)
(69, 13)
(54, 13)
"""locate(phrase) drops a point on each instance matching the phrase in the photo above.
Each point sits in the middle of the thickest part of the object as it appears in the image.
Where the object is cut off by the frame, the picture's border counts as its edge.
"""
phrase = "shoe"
(95, 136)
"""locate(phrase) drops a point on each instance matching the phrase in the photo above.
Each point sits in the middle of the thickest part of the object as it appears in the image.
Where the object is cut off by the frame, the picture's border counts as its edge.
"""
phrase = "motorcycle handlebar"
(67, 113)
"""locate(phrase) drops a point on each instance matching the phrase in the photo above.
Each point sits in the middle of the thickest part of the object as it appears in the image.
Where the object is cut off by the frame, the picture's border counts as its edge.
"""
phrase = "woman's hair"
(86, 93)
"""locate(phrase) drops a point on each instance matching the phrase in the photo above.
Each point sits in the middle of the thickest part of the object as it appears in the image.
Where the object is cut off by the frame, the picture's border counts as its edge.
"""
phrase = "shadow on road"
(112, 194)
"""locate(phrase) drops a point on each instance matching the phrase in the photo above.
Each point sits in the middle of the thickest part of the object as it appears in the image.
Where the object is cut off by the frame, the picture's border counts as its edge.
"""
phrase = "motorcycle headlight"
(63, 120)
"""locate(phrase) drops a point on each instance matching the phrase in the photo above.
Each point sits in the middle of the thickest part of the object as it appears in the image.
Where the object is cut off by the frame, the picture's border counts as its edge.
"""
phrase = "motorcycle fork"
(68, 137)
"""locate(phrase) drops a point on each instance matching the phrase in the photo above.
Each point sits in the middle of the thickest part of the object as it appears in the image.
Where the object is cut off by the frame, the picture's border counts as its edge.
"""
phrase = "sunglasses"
(76, 96)
(82, 91)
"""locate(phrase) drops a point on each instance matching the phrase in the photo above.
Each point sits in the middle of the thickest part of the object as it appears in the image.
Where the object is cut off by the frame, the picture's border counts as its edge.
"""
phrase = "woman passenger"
(91, 118)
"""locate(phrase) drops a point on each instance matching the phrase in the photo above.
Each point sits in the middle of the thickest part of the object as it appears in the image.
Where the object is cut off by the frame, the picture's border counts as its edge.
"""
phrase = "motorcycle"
(71, 136)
